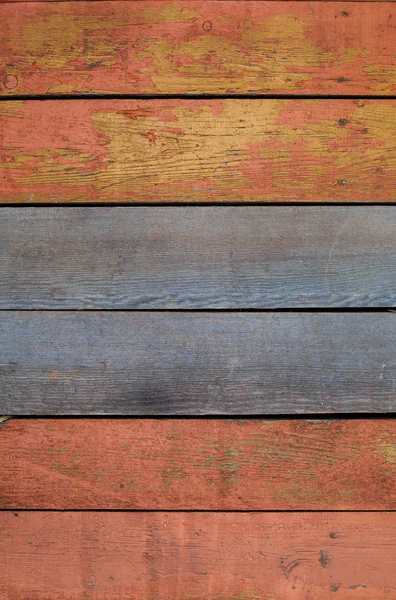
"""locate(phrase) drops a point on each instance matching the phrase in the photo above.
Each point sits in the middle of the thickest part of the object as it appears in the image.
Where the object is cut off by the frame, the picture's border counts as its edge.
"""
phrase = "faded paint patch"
(388, 451)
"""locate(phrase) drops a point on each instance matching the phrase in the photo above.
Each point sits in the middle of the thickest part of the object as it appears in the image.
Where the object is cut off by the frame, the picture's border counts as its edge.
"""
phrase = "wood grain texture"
(207, 47)
(198, 556)
(140, 363)
(197, 151)
(196, 464)
(197, 257)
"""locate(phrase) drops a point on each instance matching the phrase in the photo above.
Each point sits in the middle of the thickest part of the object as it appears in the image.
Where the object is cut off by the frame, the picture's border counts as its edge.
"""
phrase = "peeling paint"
(219, 150)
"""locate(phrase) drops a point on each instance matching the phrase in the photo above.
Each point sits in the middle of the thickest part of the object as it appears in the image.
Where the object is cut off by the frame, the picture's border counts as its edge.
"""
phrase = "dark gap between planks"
(192, 97)
(315, 418)
(172, 510)
(340, 309)
(198, 204)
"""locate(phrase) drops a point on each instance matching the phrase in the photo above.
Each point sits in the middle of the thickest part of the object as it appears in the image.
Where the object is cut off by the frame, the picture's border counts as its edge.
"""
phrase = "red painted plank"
(198, 556)
(198, 464)
(198, 47)
(197, 151)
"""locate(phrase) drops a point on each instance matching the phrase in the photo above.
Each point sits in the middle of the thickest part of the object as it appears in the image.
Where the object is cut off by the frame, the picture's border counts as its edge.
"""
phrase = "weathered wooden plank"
(197, 151)
(197, 257)
(206, 47)
(196, 363)
(198, 556)
(198, 464)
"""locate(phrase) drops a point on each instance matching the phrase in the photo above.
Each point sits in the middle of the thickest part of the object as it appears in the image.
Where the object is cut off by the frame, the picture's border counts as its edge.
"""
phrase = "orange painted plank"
(198, 464)
(197, 151)
(197, 556)
(206, 47)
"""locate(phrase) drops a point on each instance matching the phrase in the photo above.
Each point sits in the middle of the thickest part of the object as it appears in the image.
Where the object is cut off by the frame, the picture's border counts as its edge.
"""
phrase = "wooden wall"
(197, 294)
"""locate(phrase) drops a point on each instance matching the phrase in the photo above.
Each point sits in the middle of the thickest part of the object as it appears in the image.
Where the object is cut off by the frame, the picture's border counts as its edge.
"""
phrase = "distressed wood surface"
(196, 464)
(139, 363)
(188, 47)
(198, 556)
(197, 257)
(197, 151)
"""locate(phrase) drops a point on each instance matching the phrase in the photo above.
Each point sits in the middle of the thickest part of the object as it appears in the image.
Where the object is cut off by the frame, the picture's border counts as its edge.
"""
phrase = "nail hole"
(10, 81)
(207, 26)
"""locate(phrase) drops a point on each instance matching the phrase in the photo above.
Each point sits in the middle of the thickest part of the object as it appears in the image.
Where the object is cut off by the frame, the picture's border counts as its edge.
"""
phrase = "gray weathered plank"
(139, 363)
(197, 257)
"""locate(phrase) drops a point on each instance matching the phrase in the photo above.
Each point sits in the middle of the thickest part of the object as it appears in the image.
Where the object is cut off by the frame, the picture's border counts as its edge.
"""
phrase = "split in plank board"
(197, 556)
(153, 363)
(207, 47)
(231, 150)
(197, 257)
(198, 464)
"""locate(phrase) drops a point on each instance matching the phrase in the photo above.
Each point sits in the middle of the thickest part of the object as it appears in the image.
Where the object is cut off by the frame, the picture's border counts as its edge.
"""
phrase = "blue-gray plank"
(197, 257)
(164, 363)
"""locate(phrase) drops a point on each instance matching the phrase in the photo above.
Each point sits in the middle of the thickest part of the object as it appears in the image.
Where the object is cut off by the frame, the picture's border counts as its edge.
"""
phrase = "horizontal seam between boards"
(191, 510)
(200, 204)
(191, 97)
(313, 310)
(311, 417)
